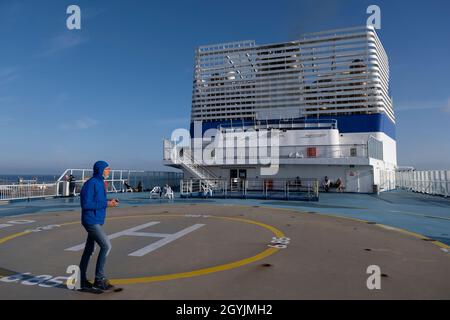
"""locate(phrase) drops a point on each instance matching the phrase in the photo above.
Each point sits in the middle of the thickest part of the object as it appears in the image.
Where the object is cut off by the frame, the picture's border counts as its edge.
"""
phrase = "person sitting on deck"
(128, 188)
(339, 185)
(207, 191)
(168, 193)
(298, 183)
(326, 184)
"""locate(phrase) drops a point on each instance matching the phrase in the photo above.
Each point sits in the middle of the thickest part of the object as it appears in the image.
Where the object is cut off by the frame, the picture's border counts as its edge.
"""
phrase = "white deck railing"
(257, 188)
(435, 182)
(115, 183)
(27, 191)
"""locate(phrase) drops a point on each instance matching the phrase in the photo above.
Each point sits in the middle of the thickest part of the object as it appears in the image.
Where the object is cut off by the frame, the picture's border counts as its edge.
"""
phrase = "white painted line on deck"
(164, 241)
(166, 237)
(127, 232)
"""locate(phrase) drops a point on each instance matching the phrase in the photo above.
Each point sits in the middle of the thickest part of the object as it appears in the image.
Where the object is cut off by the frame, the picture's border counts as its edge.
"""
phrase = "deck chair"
(155, 193)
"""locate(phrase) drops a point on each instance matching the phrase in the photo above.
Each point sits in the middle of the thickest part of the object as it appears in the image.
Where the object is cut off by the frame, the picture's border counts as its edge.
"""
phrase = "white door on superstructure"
(352, 181)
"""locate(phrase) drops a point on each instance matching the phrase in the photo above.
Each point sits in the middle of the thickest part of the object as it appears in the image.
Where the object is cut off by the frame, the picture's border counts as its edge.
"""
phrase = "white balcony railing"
(250, 155)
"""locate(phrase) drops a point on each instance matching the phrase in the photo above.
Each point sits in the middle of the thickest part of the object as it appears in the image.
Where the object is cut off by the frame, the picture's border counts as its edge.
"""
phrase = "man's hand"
(113, 203)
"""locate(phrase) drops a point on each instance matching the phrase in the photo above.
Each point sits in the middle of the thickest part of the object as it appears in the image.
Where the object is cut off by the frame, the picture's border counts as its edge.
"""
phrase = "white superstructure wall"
(327, 73)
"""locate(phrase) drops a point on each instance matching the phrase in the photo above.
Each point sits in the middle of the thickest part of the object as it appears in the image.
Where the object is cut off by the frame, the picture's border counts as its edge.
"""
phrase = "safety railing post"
(286, 189)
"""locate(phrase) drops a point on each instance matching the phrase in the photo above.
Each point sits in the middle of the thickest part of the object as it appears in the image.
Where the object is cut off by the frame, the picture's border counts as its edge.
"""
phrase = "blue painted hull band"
(355, 123)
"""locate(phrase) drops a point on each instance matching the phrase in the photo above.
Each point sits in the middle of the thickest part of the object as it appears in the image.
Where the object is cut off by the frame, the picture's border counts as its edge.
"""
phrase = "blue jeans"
(95, 235)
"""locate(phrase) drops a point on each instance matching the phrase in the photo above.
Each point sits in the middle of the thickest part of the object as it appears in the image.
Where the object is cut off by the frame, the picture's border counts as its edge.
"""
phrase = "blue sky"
(115, 88)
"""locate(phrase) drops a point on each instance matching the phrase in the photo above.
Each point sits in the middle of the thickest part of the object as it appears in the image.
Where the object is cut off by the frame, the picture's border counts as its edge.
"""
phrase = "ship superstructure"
(325, 97)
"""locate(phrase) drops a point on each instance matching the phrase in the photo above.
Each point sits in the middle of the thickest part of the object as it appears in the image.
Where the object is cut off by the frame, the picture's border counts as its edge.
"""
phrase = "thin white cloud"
(4, 99)
(6, 121)
(60, 99)
(421, 105)
(174, 121)
(8, 75)
(9, 11)
(447, 106)
(63, 41)
(91, 13)
(80, 124)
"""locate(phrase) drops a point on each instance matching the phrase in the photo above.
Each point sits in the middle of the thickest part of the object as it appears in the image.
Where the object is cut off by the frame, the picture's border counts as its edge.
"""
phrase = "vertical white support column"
(420, 181)
(406, 179)
(436, 182)
(441, 182)
(409, 176)
(447, 183)
(429, 182)
(423, 179)
(416, 181)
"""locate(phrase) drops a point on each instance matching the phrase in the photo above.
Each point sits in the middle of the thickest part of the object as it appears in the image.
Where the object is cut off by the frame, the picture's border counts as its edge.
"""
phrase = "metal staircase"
(184, 158)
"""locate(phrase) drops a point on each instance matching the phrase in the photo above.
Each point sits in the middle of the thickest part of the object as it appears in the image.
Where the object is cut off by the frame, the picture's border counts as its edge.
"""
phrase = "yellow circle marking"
(413, 234)
(189, 274)
(3, 240)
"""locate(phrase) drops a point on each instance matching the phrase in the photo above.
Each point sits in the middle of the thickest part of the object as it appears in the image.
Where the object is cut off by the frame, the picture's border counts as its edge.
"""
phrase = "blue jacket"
(93, 197)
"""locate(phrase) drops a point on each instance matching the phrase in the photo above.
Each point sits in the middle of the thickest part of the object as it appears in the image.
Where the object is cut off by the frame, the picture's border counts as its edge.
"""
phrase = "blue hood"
(93, 197)
(99, 167)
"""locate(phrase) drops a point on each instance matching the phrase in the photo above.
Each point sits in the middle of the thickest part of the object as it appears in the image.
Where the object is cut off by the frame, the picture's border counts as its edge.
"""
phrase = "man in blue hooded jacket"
(93, 211)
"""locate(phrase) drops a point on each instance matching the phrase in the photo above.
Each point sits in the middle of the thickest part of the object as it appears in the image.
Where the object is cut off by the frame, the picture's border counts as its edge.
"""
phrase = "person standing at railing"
(72, 185)
(93, 212)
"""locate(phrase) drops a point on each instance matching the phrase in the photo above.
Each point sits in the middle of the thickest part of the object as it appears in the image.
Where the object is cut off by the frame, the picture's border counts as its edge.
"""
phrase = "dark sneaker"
(85, 284)
(103, 285)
